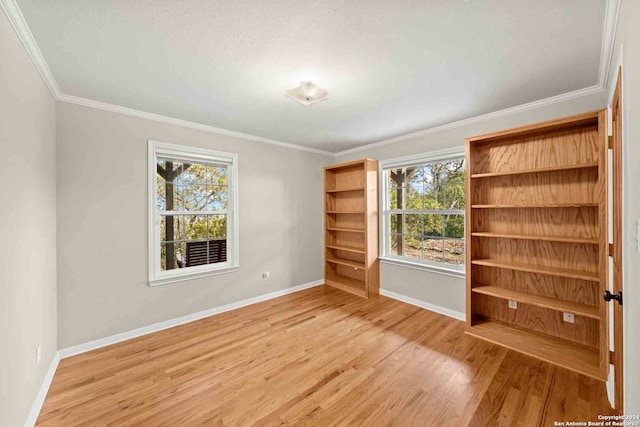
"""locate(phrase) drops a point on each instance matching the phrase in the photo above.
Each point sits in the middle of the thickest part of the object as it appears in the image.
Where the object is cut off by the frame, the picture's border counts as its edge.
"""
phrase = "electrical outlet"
(266, 275)
(513, 304)
(38, 354)
(569, 317)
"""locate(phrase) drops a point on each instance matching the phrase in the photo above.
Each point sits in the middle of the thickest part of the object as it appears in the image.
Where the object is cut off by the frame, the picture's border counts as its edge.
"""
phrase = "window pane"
(193, 194)
(195, 227)
(412, 247)
(395, 198)
(395, 223)
(217, 198)
(405, 178)
(454, 226)
(167, 195)
(217, 175)
(190, 187)
(414, 195)
(193, 172)
(434, 185)
(433, 249)
(454, 251)
(433, 243)
(454, 196)
(454, 171)
(395, 241)
(454, 239)
(217, 226)
(432, 225)
(175, 199)
(412, 225)
(414, 176)
(175, 231)
(172, 256)
(160, 192)
(217, 251)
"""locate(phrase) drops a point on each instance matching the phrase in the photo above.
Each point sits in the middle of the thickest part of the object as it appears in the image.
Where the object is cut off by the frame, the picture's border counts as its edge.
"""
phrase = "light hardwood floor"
(317, 357)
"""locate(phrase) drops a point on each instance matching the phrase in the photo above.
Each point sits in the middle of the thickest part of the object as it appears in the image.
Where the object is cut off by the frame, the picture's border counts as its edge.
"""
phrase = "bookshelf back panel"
(583, 257)
(345, 221)
(563, 288)
(347, 255)
(578, 145)
(345, 177)
(568, 222)
(572, 186)
(543, 320)
(347, 201)
(343, 270)
(344, 238)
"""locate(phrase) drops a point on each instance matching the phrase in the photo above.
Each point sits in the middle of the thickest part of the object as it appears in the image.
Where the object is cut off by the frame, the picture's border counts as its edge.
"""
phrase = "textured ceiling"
(392, 67)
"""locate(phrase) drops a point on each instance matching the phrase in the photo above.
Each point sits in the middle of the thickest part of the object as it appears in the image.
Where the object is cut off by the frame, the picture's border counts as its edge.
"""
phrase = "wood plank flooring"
(318, 357)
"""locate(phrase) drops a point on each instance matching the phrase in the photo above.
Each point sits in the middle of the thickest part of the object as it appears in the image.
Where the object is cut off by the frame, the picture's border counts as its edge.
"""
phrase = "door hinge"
(612, 357)
(608, 296)
(610, 249)
(610, 142)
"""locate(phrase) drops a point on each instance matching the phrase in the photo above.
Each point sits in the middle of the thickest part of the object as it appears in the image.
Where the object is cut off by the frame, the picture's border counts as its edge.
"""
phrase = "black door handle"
(608, 296)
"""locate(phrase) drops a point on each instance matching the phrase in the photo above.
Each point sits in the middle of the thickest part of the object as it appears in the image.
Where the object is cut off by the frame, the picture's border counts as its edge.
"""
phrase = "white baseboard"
(610, 384)
(423, 304)
(42, 393)
(113, 339)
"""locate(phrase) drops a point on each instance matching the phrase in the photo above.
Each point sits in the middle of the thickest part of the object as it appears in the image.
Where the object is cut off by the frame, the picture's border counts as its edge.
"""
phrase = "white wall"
(102, 224)
(433, 288)
(27, 227)
(628, 37)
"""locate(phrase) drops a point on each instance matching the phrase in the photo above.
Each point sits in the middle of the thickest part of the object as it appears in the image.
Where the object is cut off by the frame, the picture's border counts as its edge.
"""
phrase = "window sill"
(425, 267)
(190, 276)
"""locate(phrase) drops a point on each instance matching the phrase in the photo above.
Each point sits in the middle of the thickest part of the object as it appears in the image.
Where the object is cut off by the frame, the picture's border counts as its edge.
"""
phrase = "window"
(423, 203)
(193, 226)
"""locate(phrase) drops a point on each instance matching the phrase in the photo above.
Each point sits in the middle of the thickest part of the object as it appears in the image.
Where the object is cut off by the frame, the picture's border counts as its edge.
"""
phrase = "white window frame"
(400, 162)
(182, 152)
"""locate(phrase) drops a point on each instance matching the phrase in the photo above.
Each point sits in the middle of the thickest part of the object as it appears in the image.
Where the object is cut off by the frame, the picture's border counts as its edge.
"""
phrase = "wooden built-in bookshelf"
(536, 233)
(351, 227)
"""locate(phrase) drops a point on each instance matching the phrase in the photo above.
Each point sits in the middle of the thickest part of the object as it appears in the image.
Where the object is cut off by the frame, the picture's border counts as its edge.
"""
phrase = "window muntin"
(423, 212)
(194, 229)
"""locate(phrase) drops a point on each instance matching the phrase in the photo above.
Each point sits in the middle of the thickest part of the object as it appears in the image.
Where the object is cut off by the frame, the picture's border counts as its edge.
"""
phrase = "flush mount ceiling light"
(307, 93)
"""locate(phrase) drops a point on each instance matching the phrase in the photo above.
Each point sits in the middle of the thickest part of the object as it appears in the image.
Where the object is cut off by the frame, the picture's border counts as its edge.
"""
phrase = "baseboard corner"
(34, 412)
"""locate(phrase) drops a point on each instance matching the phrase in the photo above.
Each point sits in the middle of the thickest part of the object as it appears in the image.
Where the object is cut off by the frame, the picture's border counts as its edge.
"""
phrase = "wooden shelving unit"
(351, 227)
(536, 231)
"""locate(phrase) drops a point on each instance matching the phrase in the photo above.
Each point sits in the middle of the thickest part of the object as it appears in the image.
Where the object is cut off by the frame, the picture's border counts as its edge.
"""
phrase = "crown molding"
(612, 13)
(484, 117)
(21, 28)
(184, 123)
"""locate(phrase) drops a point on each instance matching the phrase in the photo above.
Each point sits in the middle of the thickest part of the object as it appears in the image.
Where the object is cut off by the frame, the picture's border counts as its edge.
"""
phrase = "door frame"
(618, 206)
